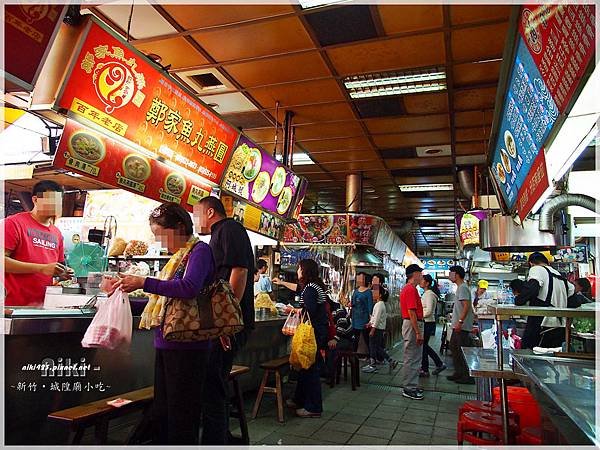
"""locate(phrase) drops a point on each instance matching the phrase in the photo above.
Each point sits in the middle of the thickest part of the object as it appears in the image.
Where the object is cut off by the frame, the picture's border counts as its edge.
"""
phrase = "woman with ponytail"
(429, 301)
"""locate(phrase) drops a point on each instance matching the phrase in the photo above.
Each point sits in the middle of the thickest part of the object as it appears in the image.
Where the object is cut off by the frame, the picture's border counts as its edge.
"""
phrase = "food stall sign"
(561, 40)
(257, 220)
(256, 176)
(529, 112)
(575, 254)
(28, 30)
(362, 228)
(437, 264)
(119, 90)
(98, 157)
(331, 229)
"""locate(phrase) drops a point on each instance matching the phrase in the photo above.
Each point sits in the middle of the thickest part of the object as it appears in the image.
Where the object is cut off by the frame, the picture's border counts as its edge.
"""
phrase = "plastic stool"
(472, 424)
(523, 403)
(530, 436)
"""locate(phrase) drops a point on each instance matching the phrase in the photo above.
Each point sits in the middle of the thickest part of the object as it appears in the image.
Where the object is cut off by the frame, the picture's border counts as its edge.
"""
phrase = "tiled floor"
(374, 414)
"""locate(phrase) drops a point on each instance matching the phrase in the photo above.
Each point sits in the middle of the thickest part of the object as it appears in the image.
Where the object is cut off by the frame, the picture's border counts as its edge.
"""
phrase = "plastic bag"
(112, 325)
(304, 346)
(488, 337)
(291, 323)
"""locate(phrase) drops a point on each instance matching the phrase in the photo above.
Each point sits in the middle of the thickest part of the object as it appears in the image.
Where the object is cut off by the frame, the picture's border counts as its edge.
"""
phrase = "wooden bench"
(273, 366)
(238, 402)
(99, 413)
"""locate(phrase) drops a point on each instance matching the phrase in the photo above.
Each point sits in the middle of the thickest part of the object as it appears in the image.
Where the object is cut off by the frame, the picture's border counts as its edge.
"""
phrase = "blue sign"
(437, 264)
(529, 113)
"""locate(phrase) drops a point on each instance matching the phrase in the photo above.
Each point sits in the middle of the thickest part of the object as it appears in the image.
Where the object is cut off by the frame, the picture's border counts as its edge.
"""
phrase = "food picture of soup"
(261, 187)
(136, 168)
(86, 147)
(501, 173)
(285, 200)
(509, 140)
(252, 164)
(278, 181)
(175, 184)
(505, 161)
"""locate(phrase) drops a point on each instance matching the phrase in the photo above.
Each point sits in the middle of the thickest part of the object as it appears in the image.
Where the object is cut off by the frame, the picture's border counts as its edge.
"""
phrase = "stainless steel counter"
(483, 362)
(565, 388)
(506, 312)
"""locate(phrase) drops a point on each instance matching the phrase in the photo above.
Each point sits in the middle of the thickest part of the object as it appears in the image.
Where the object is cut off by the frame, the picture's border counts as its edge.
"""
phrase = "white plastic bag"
(488, 338)
(112, 325)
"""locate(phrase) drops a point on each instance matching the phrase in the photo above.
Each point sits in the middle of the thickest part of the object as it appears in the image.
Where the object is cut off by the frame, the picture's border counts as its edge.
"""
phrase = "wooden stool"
(342, 359)
(238, 402)
(273, 366)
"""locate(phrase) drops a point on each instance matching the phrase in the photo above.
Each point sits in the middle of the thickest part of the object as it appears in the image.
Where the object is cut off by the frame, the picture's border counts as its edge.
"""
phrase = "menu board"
(438, 264)
(561, 40)
(255, 175)
(28, 30)
(85, 151)
(256, 220)
(575, 254)
(112, 85)
(363, 229)
(528, 116)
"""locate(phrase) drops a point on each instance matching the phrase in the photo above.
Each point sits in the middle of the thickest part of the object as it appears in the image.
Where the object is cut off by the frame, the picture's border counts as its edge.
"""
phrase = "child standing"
(377, 326)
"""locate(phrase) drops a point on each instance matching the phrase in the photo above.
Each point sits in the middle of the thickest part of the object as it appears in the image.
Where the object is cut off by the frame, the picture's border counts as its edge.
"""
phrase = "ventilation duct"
(560, 202)
(502, 234)
(466, 183)
(365, 257)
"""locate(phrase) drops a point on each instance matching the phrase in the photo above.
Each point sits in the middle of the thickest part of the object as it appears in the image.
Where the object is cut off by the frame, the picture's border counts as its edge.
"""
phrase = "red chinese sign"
(534, 186)
(99, 157)
(113, 86)
(28, 33)
(561, 40)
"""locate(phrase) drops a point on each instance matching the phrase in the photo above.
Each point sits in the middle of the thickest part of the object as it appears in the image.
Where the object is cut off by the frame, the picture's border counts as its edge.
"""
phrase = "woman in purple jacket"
(180, 367)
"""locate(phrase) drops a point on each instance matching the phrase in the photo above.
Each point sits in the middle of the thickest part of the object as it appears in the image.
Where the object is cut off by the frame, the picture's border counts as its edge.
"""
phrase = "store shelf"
(139, 258)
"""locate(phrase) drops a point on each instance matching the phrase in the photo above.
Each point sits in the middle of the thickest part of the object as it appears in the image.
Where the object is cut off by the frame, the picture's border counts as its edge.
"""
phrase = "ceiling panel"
(471, 148)
(354, 165)
(318, 113)
(197, 16)
(405, 18)
(463, 14)
(263, 135)
(472, 134)
(346, 155)
(337, 144)
(475, 99)
(476, 73)
(406, 124)
(145, 21)
(336, 129)
(479, 43)
(473, 118)
(426, 103)
(412, 139)
(293, 67)
(298, 93)
(229, 103)
(419, 163)
(268, 38)
(394, 54)
(177, 52)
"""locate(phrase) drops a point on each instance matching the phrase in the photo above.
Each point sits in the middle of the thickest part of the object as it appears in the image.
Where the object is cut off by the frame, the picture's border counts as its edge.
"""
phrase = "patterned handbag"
(215, 312)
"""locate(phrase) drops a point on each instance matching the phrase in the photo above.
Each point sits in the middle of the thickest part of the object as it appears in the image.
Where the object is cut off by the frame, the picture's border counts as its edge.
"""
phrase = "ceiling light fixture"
(425, 187)
(395, 83)
(305, 4)
(299, 159)
(434, 218)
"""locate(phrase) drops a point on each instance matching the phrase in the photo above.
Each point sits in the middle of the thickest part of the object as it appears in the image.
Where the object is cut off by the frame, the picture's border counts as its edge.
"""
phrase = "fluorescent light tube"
(425, 187)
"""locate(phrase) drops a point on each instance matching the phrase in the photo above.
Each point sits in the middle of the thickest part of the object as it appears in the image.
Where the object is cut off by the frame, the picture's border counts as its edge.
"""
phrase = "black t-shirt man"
(231, 248)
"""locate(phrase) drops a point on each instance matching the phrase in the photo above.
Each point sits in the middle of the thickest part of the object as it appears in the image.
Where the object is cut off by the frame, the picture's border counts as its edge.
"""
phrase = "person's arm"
(370, 302)
(412, 313)
(377, 312)
(237, 279)
(286, 284)
(529, 292)
(12, 265)
(466, 306)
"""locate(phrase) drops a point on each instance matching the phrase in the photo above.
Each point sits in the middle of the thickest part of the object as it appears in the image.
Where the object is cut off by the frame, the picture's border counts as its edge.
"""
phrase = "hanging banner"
(534, 186)
(114, 86)
(29, 30)
(561, 40)
(255, 175)
(362, 229)
(85, 151)
(575, 254)
(528, 116)
(256, 220)
(468, 226)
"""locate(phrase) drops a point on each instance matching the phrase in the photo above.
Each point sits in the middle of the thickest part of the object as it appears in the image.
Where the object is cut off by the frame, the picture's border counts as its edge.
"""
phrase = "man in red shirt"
(33, 248)
(412, 332)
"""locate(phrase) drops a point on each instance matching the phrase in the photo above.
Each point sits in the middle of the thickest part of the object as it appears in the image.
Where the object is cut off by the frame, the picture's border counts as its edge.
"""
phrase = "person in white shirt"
(264, 282)
(377, 325)
(546, 287)
(429, 300)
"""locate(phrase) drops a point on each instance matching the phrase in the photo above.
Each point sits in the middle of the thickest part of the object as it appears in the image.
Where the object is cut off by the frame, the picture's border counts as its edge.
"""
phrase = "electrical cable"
(129, 22)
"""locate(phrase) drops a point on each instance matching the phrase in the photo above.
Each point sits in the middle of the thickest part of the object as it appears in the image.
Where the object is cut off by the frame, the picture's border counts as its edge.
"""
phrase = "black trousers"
(178, 380)
(427, 350)
(308, 388)
(357, 333)
(460, 339)
(215, 396)
(377, 346)
(531, 336)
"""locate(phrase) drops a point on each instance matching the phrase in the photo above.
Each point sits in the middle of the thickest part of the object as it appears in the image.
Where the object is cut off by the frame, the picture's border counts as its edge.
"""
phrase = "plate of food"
(278, 181)
(505, 161)
(86, 147)
(316, 228)
(501, 173)
(285, 200)
(175, 184)
(509, 140)
(252, 164)
(261, 187)
(136, 168)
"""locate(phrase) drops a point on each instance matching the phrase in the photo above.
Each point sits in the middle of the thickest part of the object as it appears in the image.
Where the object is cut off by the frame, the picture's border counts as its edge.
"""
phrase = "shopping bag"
(112, 325)
(291, 323)
(304, 346)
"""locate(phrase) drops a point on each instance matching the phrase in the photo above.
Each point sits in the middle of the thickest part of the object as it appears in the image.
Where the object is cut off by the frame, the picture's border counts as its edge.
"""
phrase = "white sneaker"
(369, 369)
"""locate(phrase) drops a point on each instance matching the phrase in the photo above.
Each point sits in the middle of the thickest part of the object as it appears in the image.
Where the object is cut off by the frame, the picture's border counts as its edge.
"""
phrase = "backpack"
(572, 301)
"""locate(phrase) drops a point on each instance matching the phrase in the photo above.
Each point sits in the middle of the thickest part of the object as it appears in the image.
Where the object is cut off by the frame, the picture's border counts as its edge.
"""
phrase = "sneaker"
(379, 363)
(369, 369)
(439, 369)
(412, 394)
(423, 374)
(453, 377)
(291, 404)
(306, 414)
(392, 364)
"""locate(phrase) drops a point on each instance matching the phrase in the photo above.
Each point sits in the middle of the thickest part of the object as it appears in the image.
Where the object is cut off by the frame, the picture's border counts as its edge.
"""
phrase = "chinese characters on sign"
(561, 40)
(116, 88)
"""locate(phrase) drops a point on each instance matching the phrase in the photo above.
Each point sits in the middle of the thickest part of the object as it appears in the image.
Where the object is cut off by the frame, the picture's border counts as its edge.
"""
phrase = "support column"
(354, 192)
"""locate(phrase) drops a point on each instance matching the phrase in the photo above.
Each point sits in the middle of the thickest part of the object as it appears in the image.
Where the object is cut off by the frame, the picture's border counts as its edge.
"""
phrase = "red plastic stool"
(522, 402)
(486, 407)
(471, 426)
(530, 436)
